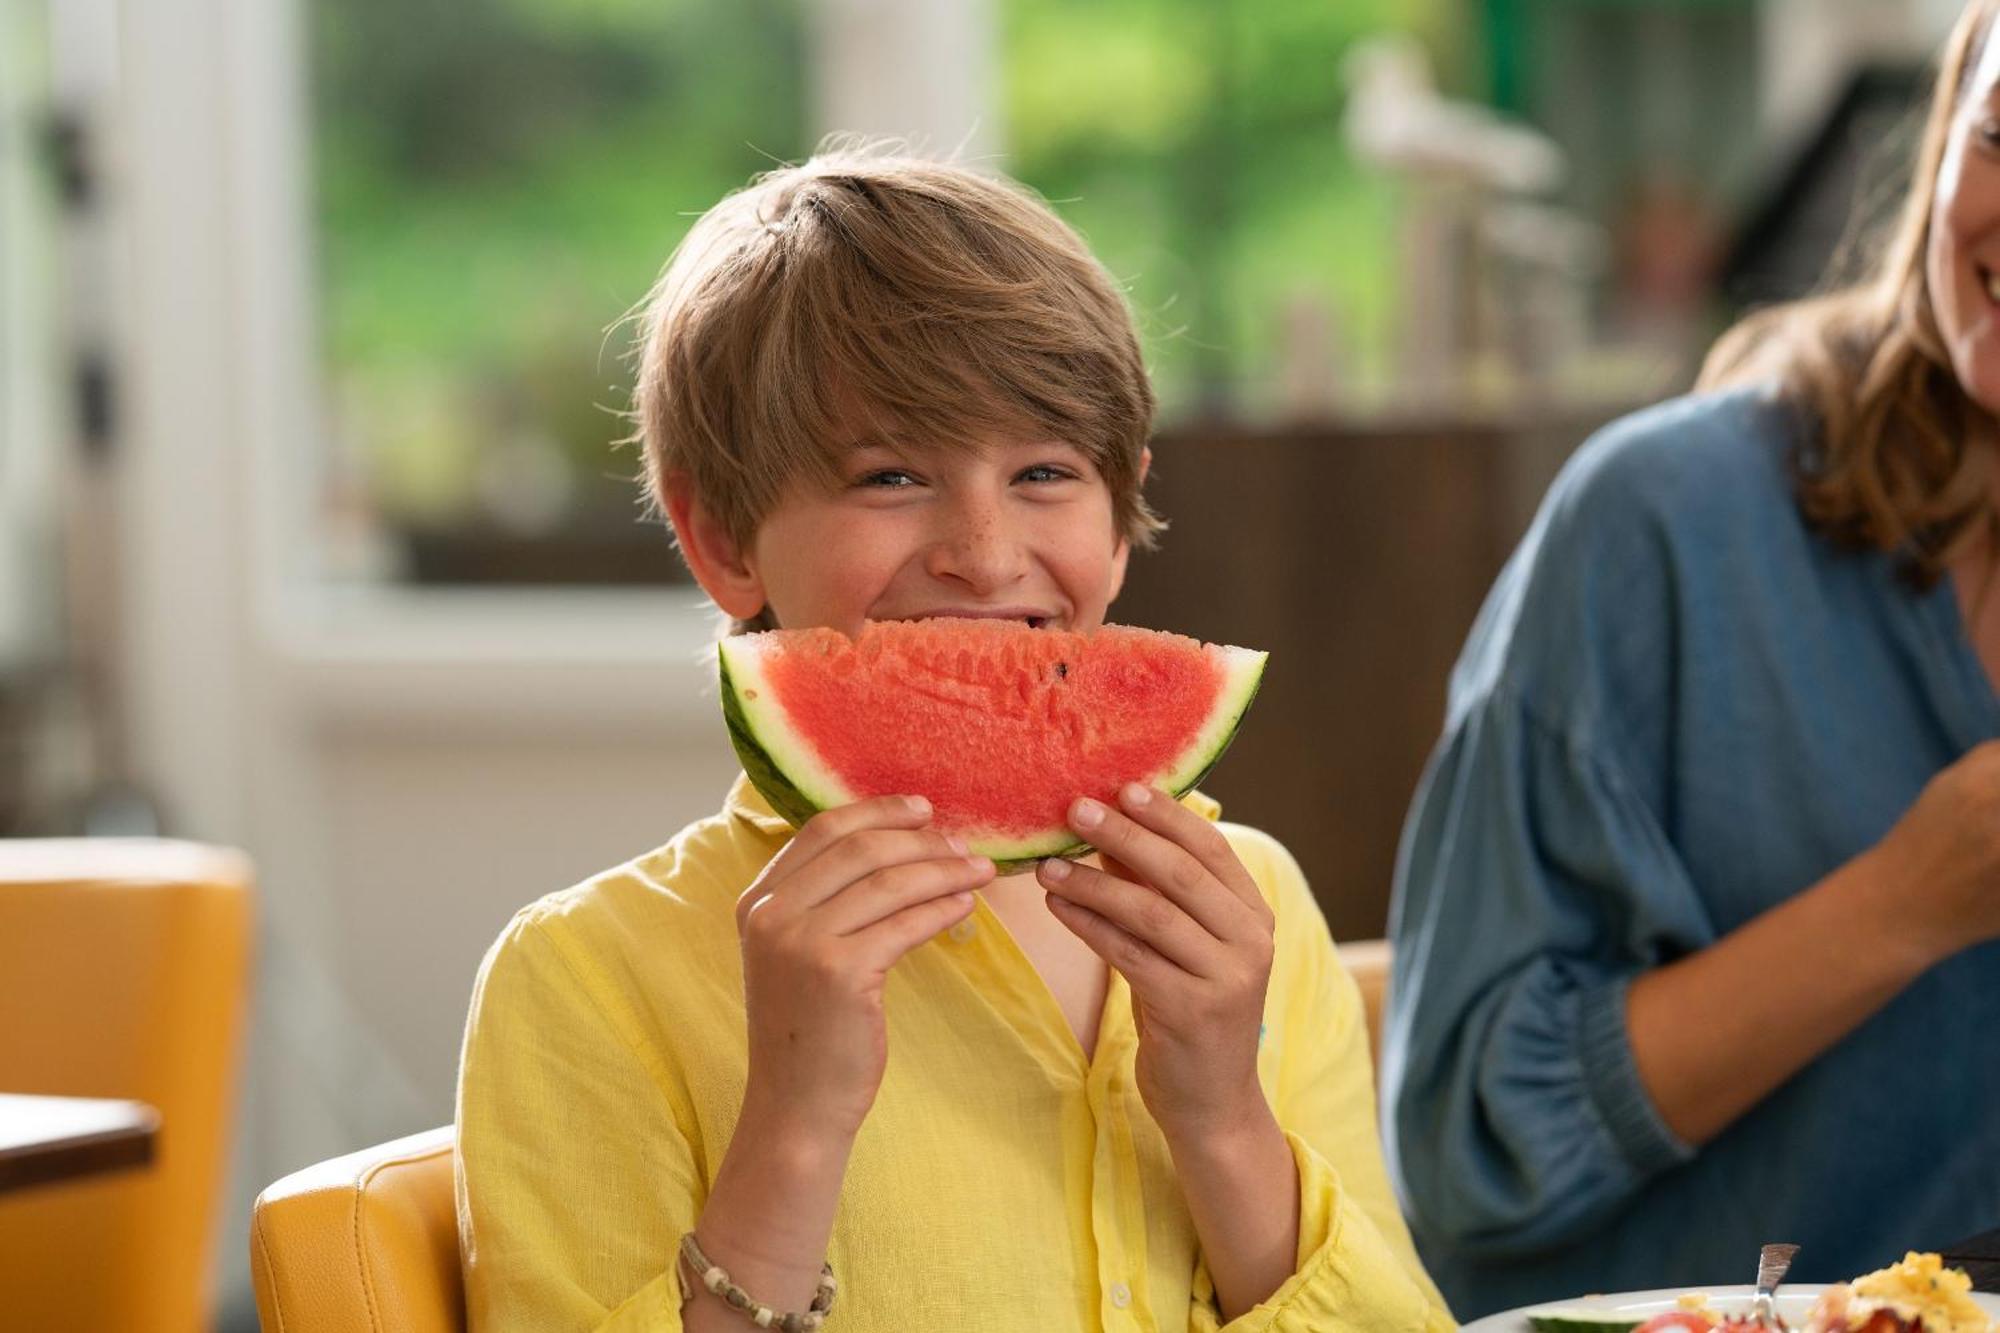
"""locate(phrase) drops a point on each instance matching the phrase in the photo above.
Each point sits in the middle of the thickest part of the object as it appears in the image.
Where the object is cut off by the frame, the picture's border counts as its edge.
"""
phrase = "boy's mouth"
(1031, 618)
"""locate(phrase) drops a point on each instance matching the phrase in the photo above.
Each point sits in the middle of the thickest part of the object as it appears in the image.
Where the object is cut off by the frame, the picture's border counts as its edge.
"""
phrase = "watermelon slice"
(999, 725)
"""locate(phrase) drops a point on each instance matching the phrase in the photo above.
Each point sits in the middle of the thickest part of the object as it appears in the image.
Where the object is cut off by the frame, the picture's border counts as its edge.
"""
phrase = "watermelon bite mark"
(1000, 726)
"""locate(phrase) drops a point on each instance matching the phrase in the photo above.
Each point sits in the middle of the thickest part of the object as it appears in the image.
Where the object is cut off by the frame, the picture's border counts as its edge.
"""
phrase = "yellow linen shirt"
(1002, 1183)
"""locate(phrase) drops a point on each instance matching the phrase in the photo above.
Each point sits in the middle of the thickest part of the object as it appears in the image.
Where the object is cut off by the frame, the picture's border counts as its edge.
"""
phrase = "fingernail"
(1087, 814)
(956, 844)
(980, 863)
(918, 805)
(1055, 868)
(1136, 794)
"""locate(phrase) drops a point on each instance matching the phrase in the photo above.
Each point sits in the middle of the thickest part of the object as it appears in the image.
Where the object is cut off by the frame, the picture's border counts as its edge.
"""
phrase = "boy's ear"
(718, 562)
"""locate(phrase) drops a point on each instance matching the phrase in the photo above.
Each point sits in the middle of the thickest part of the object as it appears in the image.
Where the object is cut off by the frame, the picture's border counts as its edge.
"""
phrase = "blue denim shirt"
(1678, 707)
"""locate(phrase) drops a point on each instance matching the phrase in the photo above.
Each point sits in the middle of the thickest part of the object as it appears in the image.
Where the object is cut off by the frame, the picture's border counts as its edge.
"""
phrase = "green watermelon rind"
(764, 756)
(790, 776)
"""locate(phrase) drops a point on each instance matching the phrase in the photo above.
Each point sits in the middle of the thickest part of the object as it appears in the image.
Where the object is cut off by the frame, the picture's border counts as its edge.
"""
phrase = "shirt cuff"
(1348, 1277)
(1604, 1047)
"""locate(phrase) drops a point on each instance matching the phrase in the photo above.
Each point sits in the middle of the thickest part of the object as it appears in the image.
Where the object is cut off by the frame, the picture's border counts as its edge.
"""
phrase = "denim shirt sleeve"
(1532, 880)
(1538, 874)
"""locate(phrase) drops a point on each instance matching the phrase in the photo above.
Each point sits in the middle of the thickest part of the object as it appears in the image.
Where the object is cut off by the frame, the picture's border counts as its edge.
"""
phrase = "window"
(499, 180)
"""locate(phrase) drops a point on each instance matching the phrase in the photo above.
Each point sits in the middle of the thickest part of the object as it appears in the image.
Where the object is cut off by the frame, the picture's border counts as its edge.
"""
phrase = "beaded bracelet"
(711, 1275)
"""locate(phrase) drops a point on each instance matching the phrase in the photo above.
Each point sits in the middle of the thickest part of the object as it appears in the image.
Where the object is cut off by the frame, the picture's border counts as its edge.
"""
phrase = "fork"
(1772, 1262)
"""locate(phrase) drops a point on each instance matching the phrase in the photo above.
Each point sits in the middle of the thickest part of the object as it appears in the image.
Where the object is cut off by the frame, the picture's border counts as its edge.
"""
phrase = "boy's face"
(1013, 528)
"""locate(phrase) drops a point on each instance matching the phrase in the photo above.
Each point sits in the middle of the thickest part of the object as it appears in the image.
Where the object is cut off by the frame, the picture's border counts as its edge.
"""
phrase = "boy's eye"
(1047, 472)
(888, 478)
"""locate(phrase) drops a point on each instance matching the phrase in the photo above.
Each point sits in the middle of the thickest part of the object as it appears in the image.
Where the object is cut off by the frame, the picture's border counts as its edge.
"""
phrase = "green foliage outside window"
(1198, 146)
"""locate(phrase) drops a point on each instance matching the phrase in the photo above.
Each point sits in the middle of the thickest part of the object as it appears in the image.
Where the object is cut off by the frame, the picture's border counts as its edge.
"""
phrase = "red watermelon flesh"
(999, 725)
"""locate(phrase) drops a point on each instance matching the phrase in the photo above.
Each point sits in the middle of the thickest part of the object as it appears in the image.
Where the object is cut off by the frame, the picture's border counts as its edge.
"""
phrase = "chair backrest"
(124, 969)
(1368, 961)
(362, 1244)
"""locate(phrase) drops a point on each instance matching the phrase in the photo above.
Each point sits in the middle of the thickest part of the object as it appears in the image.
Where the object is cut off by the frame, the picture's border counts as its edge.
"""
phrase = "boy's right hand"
(855, 890)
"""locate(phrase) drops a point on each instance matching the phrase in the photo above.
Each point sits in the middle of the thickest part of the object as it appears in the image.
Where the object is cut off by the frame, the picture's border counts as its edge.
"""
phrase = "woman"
(1696, 913)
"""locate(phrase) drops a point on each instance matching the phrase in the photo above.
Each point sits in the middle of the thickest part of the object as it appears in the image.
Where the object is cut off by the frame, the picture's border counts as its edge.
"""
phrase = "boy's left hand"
(1176, 913)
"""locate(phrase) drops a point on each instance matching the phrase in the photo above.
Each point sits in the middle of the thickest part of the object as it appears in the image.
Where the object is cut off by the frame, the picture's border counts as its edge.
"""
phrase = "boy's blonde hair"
(866, 293)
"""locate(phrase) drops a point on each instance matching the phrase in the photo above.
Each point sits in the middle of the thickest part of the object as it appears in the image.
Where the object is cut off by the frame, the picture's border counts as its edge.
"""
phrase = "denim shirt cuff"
(1612, 1079)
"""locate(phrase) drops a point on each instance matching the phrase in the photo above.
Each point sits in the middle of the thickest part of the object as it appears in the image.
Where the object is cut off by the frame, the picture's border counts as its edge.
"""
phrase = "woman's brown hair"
(1892, 464)
(863, 292)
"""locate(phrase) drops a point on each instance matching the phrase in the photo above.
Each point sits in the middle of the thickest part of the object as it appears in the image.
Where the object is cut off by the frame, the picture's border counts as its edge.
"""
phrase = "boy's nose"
(979, 552)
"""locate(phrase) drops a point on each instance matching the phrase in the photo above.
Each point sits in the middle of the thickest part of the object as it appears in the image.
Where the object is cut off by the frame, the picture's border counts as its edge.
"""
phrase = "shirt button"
(964, 931)
(1121, 1295)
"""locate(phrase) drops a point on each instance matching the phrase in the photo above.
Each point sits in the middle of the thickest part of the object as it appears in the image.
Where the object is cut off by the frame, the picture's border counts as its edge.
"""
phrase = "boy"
(1132, 1092)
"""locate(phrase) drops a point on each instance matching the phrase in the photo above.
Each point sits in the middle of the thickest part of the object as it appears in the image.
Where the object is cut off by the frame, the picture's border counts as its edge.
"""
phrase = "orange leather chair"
(366, 1242)
(1367, 961)
(124, 965)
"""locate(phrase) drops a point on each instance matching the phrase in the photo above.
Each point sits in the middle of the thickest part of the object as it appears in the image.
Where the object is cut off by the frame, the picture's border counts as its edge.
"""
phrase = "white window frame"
(29, 383)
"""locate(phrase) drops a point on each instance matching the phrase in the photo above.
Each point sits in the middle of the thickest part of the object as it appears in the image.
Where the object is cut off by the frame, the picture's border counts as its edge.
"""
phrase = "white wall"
(1810, 47)
(436, 836)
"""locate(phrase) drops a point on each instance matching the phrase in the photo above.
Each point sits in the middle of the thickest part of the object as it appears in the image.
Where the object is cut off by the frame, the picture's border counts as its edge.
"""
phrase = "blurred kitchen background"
(314, 540)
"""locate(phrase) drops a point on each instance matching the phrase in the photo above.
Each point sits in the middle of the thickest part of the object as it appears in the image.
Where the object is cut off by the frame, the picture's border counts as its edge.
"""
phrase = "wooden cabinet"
(1358, 558)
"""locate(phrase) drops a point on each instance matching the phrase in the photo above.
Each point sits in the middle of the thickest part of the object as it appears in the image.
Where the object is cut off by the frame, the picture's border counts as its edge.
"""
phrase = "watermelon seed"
(749, 694)
(1062, 670)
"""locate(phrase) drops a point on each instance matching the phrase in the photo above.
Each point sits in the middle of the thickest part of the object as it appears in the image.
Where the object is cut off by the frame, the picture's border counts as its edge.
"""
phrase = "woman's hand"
(1177, 914)
(859, 887)
(1717, 1031)
(1940, 865)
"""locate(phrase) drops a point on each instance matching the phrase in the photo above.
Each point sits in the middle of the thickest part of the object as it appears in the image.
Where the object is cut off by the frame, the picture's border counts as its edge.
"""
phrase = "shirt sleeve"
(1536, 884)
(1357, 1267)
(575, 1178)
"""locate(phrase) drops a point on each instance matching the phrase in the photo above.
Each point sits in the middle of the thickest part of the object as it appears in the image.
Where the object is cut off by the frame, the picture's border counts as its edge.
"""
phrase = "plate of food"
(1889, 1300)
